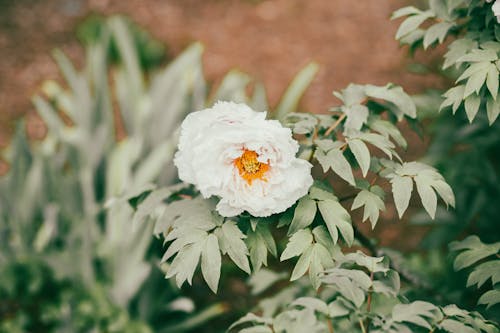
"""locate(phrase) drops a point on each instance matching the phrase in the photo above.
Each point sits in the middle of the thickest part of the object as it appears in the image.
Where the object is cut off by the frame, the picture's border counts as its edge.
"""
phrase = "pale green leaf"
(401, 190)
(372, 205)
(454, 326)
(490, 298)
(492, 109)
(492, 80)
(437, 32)
(412, 23)
(472, 104)
(297, 244)
(211, 262)
(361, 153)
(303, 215)
(336, 217)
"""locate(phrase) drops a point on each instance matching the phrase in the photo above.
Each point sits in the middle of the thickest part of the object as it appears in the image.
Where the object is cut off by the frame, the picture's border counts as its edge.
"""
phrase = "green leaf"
(361, 153)
(475, 82)
(483, 272)
(490, 298)
(297, 244)
(426, 193)
(457, 49)
(334, 159)
(185, 263)
(311, 303)
(387, 129)
(231, 242)
(336, 217)
(472, 104)
(303, 215)
(417, 313)
(454, 97)
(437, 32)
(396, 96)
(492, 109)
(412, 23)
(492, 80)
(453, 326)
(372, 205)
(353, 284)
(405, 11)
(302, 264)
(211, 262)
(473, 251)
(401, 190)
(478, 55)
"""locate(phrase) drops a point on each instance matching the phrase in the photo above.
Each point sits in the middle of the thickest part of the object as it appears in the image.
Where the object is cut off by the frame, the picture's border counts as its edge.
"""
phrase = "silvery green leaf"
(484, 272)
(320, 192)
(387, 129)
(427, 194)
(379, 141)
(337, 309)
(336, 217)
(256, 329)
(322, 236)
(401, 189)
(418, 313)
(231, 242)
(452, 326)
(478, 55)
(258, 249)
(312, 303)
(264, 279)
(492, 81)
(372, 205)
(457, 49)
(351, 283)
(354, 94)
(492, 109)
(490, 298)
(475, 82)
(361, 153)
(474, 250)
(233, 87)
(387, 284)
(185, 263)
(395, 95)
(297, 244)
(211, 262)
(185, 236)
(356, 116)
(320, 260)
(303, 264)
(454, 97)
(251, 318)
(412, 23)
(373, 264)
(405, 11)
(335, 160)
(303, 215)
(436, 32)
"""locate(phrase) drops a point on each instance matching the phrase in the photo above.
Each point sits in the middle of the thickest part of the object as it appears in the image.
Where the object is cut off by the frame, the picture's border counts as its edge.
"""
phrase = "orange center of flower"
(249, 167)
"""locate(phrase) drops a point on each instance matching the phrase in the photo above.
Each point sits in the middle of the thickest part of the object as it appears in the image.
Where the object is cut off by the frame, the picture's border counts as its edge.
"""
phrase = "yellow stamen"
(249, 166)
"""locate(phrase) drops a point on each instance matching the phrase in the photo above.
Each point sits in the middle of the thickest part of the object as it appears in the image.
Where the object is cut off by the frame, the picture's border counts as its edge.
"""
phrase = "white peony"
(233, 152)
(496, 9)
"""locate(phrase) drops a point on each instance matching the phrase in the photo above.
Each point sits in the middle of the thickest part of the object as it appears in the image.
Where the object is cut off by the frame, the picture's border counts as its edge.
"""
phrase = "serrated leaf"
(484, 272)
(302, 264)
(336, 217)
(303, 215)
(297, 244)
(412, 23)
(454, 97)
(478, 55)
(417, 313)
(396, 96)
(387, 129)
(472, 104)
(453, 326)
(231, 242)
(490, 298)
(372, 205)
(361, 153)
(475, 82)
(351, 283)
(474, 250)
(185, 263)
(335, 160)
(457, 49)
(211, 262)
(405, 11)
(401, 189)
(437, 32)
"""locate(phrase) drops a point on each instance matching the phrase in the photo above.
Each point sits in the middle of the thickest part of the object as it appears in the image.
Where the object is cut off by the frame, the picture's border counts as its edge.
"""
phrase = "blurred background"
(270, 40)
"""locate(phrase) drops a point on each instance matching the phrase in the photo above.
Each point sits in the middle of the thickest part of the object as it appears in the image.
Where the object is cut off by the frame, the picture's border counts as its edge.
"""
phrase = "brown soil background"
(352, 41)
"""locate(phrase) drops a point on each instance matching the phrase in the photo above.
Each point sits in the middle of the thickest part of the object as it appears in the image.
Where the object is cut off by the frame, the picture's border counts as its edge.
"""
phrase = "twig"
(335, 124)
(330, 325)
(363, 329)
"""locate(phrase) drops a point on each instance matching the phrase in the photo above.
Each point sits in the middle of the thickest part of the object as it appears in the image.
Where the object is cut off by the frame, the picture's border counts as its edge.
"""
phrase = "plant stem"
(330, 325)
(369, 302)
(363, 329)
(335, 124)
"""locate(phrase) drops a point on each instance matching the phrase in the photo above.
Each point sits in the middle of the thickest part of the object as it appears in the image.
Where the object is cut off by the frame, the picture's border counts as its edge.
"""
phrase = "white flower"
(496, 9)
(233, 152)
